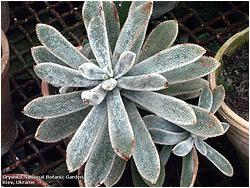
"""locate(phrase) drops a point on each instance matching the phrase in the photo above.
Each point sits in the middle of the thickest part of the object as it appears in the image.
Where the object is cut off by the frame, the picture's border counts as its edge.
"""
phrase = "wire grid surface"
(32, 157)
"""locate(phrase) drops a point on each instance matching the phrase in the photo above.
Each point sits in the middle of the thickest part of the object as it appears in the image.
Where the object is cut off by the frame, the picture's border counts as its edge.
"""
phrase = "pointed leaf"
(94, 96)
(189, 170)
(218, 97)
(100, 161)
(59, 46)
(54, 105)
(225, 126)
(134, 30)
(219, 161)
(116, 172)
(112, 22)
(160, 38)
(62, 76)
(41, 54)
(83, 141)
(184, 147)
(197, 69)
(185, 87)
(55, 129)
(92, 72)
(145, 154)
(124, 64)
(149, 82)
(206, 99)
(98, 41)
(169, 108)
(169, 59)
(120, 130)
(165, 154)
(200, 146)
(207, 124)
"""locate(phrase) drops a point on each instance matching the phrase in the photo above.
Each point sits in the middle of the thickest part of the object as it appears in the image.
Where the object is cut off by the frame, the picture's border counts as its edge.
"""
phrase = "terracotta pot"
(8, 127)
(238, 133)
(22, 180)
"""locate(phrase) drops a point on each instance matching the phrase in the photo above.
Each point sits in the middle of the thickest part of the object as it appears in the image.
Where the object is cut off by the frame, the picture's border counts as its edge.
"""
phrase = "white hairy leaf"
(54, 105)
(92, 72)
(206, 99)
(185, 87)
(100, 161)
(41, 54)
(59, 46)
(225, 126)
(169, 59)
(149, 82)
(218, 97)
(145, 154)
(109, 84)
(120, 130)
(98, 41)
(190, 95)
(160, 38)
(167, 107)
(83, 141)
(124, 63)
(197, 69)
(134, 29)
(62, 76)
(219, 161)
(200, 146)
(90, 10)
(183, 147)
(55, 129)
(189, 169)
(118, 167)
(93, 96)
(87, 51)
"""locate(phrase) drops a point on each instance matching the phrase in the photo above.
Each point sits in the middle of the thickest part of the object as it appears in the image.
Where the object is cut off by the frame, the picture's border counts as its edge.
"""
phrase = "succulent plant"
(103, 83)
(186, 142)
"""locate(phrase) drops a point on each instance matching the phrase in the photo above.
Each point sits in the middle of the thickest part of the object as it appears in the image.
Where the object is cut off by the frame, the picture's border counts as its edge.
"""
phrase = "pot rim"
(5, 54)
(228, 114)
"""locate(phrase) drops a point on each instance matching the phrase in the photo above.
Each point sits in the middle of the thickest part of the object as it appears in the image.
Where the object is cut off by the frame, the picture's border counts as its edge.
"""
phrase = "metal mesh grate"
(32, 157)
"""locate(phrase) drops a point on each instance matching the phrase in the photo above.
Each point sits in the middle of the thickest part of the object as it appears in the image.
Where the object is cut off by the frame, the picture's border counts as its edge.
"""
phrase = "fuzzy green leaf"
(59, 46)
(169, 108)
(94, 96)
(207, 124)
(87, 51)
(191, 95)
(124, 64)
(185, 87)
(206, 99)
(169, 59)
(112, 22)
(54, 105)
(55, 129)
(90, 10)
(41, 54)
(138, 181)
(134, 29)
(145, 154)
(225, 126)
(116, 172)
(149, 82)
(197, 69)
(100, 161)
(98, 40)
(92, 71)
(83, 141)
(189, 169)
(165, 154)
(160, 38)
(200, 146)
(218, 97)
(219, 161)
(62, 76)
(183, 147)
(135, 4)
(120, 130)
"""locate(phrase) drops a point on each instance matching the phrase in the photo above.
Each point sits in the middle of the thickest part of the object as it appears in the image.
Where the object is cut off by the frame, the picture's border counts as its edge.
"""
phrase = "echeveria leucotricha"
(116, 73)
